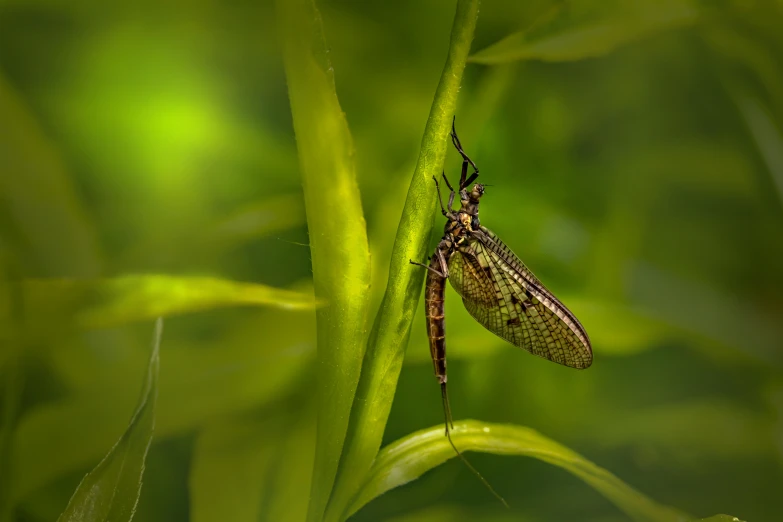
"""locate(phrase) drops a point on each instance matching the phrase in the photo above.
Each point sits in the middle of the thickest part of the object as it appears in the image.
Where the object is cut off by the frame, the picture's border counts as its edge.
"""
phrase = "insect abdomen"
(434, 295)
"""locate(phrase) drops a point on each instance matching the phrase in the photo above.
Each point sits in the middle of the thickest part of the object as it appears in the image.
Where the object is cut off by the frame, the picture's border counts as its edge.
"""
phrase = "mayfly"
(497, 289)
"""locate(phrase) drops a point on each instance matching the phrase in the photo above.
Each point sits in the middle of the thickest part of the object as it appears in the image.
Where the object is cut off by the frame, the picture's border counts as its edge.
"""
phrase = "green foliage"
(111, 490)
(390, 333)
(632, 161)
(337, 231)
(590, 32)
(201, 384)
(407, 459)
(131, 298)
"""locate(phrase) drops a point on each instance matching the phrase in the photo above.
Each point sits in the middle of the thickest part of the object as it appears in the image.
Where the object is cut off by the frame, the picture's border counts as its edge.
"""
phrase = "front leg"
(448, 213)
(451, 195)
(444, 266)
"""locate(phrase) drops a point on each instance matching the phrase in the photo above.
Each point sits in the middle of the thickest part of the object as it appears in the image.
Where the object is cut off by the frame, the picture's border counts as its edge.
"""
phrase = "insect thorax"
(466, 220)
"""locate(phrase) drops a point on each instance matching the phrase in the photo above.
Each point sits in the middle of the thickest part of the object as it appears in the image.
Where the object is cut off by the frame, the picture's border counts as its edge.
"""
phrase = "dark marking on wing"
(515, 305)
(468, 277)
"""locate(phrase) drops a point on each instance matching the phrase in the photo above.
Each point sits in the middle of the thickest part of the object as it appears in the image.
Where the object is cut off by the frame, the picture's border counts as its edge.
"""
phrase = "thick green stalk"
(338, 235)
(389, 338)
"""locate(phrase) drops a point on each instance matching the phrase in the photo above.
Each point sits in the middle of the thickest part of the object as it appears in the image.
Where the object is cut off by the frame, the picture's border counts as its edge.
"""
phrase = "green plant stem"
(389, 338)
(338, 234)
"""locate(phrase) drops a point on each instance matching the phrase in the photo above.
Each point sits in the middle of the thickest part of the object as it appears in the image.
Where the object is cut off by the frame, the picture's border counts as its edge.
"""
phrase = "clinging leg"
(451, 196)
(449, 213)
(444, 266)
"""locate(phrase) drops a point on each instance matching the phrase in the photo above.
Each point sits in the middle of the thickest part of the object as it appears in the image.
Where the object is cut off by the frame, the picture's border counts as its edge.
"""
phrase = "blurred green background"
(643, 185)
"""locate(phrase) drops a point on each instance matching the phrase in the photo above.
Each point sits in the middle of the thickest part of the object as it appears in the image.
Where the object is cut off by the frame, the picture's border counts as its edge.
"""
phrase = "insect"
(497, 289)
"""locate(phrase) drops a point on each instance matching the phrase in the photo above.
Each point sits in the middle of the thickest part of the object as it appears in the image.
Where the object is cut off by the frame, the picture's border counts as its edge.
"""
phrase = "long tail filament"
(450, 422)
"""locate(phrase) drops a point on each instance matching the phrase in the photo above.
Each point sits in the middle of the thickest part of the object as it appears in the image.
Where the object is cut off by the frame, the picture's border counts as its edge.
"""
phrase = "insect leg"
(444, 266)
(451, 196)
(471, 179)
(428, 267)
(447, 182)
(449, 213)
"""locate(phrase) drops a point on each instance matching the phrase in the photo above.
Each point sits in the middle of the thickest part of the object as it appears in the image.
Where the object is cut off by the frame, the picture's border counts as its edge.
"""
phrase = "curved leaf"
(389, 337)
(101, 303)
(590, 39)
(204, 382)
(338, 234)
(111, 490)
(408, 458)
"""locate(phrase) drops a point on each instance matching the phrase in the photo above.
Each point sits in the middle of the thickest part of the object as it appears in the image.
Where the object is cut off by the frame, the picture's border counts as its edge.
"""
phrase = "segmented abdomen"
(434, 296)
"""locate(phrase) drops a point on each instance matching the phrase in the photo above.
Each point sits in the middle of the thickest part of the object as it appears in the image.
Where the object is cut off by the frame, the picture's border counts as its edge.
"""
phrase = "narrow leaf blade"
(591, 39)
(337, 230)
(204, 383)
(408, 458)
(101, 303)
(111, 490)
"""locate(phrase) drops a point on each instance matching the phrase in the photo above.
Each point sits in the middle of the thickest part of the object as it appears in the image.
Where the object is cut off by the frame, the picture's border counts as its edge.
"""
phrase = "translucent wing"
(506, 298)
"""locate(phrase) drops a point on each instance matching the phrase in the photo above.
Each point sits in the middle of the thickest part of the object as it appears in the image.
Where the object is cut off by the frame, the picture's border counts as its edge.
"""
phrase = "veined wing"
(506, 298)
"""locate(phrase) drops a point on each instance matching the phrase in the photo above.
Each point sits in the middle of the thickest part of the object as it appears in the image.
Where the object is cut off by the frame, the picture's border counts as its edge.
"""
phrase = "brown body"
(496, 288)
(457, 228)
(434, 295)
